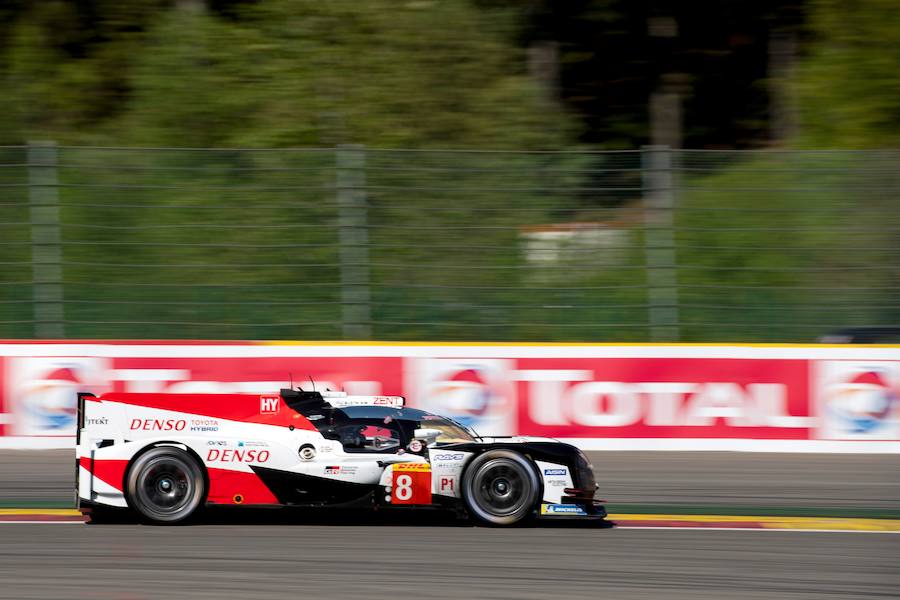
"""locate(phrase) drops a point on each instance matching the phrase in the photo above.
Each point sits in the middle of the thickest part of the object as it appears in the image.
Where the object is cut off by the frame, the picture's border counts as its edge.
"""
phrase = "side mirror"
(429, 436)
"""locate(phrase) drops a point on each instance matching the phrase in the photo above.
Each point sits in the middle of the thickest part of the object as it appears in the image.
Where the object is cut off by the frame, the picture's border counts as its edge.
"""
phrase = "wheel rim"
(165, 486)
(502, 488)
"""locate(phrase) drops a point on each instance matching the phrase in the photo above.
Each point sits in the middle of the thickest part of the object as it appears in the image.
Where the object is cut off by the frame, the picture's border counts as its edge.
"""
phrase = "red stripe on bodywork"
(234, 407)
(224, 485)
(110, 472)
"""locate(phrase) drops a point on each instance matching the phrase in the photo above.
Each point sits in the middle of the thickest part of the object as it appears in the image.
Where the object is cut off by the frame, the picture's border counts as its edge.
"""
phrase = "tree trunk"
(782, 111)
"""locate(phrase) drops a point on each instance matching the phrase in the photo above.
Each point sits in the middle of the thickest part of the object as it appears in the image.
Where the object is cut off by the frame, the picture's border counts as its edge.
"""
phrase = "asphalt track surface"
(282, 554)
(131, 562)
(711, 480)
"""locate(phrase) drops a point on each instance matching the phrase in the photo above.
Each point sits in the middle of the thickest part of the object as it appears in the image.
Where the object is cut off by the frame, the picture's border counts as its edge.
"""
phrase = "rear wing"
(342, 399)
(305, 402)
(79, 423)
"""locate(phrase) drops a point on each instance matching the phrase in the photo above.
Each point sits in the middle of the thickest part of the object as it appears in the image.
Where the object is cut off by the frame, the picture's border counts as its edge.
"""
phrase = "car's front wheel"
(165, 485)
(501, 487)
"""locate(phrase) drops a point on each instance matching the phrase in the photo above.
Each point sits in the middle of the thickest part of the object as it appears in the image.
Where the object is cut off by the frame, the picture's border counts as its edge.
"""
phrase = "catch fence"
(358, 243)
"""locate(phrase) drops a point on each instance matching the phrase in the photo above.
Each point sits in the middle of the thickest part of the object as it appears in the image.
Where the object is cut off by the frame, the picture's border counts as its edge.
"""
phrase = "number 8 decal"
(412, 483)
(404, 487)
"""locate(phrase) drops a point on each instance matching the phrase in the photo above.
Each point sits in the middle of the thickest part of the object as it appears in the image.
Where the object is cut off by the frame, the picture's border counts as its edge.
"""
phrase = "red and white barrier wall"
(768, 398)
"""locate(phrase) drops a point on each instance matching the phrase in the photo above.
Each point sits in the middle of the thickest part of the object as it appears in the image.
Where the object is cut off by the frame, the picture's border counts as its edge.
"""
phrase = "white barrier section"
(692, 397)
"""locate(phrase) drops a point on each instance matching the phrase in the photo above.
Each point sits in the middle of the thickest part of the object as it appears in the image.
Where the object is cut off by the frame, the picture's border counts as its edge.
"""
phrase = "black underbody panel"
(300, 489)
(554, 452)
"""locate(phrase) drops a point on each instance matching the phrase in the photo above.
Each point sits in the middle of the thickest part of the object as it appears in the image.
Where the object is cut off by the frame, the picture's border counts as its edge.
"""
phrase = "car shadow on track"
(336, 517)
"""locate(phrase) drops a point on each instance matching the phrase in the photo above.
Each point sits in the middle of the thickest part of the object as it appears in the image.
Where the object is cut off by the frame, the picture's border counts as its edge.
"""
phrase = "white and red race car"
(166, 456)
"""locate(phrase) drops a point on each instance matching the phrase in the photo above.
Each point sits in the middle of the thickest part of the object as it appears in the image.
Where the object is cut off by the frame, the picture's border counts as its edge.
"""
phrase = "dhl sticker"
(412, 467)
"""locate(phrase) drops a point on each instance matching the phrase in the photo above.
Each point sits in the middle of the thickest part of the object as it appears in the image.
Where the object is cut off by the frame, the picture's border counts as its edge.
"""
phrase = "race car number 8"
(404, 487)
(412, 487)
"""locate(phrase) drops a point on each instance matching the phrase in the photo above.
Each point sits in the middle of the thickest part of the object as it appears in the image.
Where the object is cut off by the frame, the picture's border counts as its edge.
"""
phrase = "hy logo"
(863, 403)
(269, 404)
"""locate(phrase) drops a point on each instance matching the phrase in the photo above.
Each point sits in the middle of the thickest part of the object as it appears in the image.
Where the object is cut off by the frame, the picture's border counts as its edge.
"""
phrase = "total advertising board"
(629, 397)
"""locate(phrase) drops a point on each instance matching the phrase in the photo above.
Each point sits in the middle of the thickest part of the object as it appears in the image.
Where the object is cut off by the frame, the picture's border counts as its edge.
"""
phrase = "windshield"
(451, 431)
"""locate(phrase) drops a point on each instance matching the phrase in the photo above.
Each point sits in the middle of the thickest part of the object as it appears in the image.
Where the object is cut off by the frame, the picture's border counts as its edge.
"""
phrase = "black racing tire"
(165, 486)
(501, 488)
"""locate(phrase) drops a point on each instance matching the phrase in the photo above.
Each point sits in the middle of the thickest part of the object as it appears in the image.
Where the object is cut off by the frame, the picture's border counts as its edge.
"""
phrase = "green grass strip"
(614, 507)
(756, 510)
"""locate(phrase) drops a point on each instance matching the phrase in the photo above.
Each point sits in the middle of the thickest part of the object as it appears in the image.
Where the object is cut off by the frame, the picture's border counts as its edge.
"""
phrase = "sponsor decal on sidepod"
(450, 457)
(268, 404)
(562, 509)
(158, 424)
(340, 470)
(246, 456)
(204, 425)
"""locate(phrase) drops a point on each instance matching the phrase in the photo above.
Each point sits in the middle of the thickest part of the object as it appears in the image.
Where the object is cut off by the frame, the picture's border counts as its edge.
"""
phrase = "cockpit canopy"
(387, 429)
(373, 428)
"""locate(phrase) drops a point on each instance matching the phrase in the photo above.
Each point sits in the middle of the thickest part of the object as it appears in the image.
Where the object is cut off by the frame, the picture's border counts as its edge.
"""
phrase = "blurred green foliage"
(286, 73)
(787, 245)
(245, 243)
(847, 86)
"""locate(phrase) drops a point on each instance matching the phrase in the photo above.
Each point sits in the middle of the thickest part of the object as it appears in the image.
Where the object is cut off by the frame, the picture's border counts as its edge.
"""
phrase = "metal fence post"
(354, 240)
(46, 249)
(659, 242)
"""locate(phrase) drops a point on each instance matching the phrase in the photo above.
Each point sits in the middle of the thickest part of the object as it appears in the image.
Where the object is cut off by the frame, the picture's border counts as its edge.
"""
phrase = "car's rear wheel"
(501, 487)
(165, 485)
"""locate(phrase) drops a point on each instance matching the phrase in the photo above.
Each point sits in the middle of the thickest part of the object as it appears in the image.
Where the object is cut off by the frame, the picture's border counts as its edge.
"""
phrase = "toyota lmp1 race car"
(167, 456)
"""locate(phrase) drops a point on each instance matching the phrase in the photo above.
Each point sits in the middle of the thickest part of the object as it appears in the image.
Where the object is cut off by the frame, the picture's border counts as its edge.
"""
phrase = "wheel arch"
(508, 448)
(162, 444)
(529, 460)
